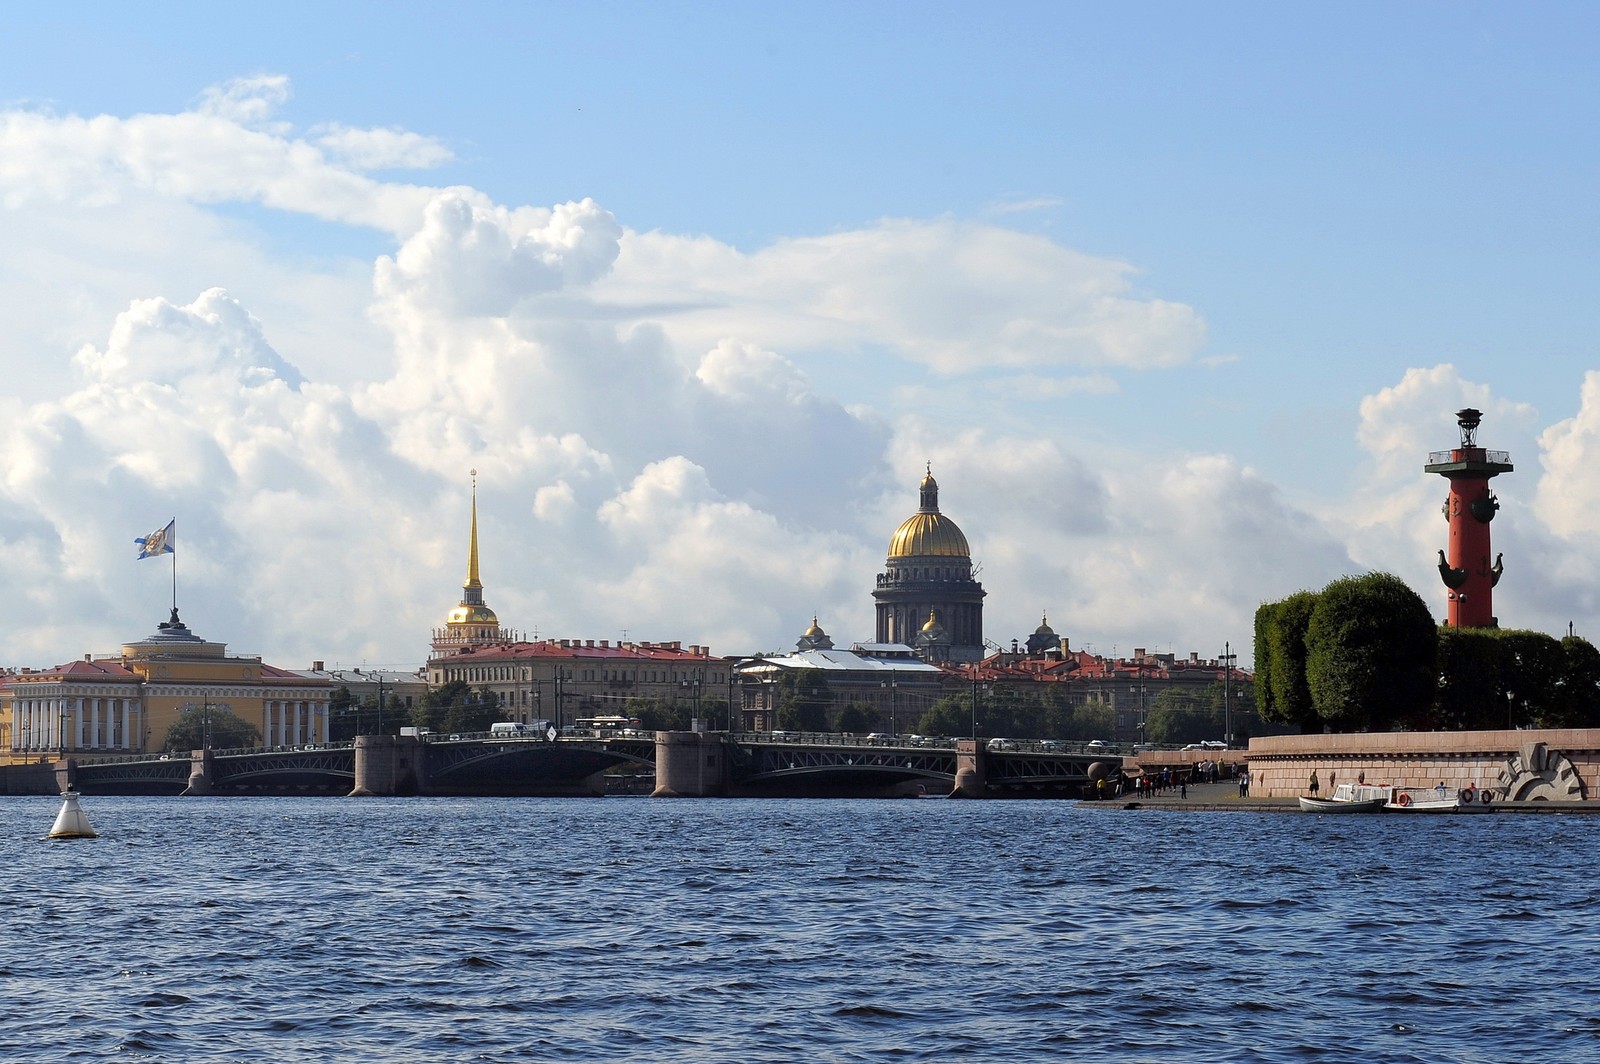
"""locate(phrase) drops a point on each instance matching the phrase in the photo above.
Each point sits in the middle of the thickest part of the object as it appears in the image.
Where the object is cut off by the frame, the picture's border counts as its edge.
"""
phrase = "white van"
(507, 727)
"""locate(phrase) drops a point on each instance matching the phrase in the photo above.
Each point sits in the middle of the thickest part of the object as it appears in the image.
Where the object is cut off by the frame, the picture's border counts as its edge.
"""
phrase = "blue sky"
(1175, 297)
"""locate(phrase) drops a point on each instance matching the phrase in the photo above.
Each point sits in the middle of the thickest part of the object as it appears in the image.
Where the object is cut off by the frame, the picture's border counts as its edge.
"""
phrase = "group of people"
(1168, 780)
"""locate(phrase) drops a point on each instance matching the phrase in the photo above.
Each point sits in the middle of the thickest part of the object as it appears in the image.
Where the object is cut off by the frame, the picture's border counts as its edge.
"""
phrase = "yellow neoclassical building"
(125, 704)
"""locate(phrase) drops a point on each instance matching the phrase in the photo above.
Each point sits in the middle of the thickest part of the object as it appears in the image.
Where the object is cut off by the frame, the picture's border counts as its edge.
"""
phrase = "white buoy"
(71, 822)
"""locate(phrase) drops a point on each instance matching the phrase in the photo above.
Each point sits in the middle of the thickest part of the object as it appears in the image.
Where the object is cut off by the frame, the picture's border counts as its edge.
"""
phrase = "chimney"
(317, 666)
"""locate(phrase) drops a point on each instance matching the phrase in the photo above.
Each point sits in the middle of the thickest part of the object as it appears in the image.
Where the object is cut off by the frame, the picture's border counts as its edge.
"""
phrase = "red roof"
(97, 671)
(546, 650)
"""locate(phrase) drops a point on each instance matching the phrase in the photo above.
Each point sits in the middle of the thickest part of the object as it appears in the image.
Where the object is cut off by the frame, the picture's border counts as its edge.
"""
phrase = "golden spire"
(472, 555)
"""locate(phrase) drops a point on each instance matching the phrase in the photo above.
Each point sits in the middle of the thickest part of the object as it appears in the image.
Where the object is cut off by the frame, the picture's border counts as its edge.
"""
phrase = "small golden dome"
(933, 624)
(474, 614)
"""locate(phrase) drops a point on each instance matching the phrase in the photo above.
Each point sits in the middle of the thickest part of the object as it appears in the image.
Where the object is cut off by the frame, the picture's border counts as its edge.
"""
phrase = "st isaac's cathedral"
(926, 597)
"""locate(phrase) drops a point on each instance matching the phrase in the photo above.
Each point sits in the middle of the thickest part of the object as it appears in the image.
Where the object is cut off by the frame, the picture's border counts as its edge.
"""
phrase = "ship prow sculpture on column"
(1468, 576)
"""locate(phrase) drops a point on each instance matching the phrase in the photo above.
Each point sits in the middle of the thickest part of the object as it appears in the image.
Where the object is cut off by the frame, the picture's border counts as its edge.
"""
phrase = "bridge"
(670, 763)
(770, 764)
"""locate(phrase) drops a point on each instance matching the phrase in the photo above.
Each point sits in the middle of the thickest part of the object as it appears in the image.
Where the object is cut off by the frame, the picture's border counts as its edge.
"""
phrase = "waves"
(640, 930)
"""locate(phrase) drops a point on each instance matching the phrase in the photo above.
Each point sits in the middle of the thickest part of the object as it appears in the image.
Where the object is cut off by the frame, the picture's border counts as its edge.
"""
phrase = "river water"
(632, 929)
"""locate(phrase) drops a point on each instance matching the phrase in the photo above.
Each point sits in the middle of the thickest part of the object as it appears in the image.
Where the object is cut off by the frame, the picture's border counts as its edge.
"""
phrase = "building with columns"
(926, 597)
(563, 680)
(125, 704)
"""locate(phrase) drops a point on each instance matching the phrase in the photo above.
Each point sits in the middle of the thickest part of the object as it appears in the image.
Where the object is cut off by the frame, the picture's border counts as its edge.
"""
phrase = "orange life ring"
(1403, 800)
(1468, 794)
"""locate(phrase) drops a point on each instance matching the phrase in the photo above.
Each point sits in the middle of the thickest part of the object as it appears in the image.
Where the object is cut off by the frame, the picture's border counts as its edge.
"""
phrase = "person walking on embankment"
(1314, 784)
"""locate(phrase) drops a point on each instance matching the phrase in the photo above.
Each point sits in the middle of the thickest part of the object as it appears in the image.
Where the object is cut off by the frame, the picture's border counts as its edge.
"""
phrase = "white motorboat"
(1348, 798)
(1440, 799)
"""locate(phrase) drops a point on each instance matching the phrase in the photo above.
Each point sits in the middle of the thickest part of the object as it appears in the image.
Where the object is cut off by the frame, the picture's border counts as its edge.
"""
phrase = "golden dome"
(929, 532)
(925, 534)
(472, 613)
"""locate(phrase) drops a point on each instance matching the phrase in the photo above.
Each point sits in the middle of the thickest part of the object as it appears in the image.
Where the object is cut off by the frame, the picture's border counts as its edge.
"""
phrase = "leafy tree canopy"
(802, 702)
(1371, 654)
(210, 725)
(858, 718)
(1282, 693)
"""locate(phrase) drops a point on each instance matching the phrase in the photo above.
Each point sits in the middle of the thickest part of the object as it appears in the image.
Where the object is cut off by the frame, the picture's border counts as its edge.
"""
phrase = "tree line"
(1364, 654)
(804, 701)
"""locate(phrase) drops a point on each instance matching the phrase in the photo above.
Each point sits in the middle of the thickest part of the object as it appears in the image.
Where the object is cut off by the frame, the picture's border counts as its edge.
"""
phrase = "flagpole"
(174, 566)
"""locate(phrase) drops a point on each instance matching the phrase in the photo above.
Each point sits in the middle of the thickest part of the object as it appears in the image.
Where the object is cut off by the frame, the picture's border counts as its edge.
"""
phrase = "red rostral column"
(1469, 509)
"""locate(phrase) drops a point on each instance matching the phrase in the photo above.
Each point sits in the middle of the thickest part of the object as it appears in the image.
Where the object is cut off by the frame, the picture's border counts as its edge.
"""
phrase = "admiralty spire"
(472, 623)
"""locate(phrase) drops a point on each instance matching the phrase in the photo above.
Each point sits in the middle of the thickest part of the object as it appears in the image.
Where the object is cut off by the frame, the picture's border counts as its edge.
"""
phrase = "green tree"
(344, 720)
(1533, 666)
(1371, 654)
(456, 707)
(949, 716)
(1470, 695)
(1580, 686)
(210, 725)
(1282, 693)
(802, 701)
(858, 718)
(1091, 720)
(715, 713)
(475, 713)
(658, 714)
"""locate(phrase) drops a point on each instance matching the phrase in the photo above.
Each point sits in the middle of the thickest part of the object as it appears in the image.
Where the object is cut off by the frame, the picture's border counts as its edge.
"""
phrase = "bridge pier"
(201, 764)
(691, 765)
(972, 769)
(387, 765)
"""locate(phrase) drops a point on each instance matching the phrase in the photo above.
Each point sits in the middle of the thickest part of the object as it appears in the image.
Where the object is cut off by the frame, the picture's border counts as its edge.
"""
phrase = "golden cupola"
(472, 622)
(929, 533)
(927, 596)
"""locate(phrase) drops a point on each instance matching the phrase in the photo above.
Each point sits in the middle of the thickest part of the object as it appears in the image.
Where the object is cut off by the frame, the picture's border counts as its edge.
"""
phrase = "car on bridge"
(1002, 744)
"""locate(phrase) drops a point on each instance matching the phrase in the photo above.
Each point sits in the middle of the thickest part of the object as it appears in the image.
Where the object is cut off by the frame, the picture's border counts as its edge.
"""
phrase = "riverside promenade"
(1202, 797)
(1224, 797)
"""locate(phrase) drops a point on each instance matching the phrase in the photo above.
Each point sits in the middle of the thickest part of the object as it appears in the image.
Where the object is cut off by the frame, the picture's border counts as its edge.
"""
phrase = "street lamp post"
(731, 682)
(894, 686)
(558, 679)
(974, 703)
(1511, 704)
(1227, 689)
(1139, 689)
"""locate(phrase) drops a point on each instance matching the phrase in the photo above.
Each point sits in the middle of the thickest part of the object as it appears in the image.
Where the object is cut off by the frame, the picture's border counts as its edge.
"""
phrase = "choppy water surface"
(646, 930)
